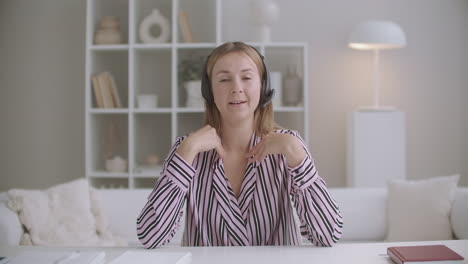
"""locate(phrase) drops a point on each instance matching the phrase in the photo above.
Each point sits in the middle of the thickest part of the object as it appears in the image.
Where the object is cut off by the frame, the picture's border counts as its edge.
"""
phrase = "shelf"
(195, 45)
(144, 172)
(152, 46)
(189, 110)
(106, 174)
(141, 135)
(152, 110)
(109, 111)
(289, 109)
(122, 47)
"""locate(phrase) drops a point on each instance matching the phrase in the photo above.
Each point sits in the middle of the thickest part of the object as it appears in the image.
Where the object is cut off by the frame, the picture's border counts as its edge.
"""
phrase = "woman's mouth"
(237, 102)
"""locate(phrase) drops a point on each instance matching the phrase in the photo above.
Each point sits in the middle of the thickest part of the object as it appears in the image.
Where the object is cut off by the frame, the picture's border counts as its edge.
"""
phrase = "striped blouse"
(261, 215)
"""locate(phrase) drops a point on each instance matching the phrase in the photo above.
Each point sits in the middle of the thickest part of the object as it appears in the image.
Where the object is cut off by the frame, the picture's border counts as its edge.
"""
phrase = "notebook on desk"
(432, 254)
(150, 257)
(59, 257)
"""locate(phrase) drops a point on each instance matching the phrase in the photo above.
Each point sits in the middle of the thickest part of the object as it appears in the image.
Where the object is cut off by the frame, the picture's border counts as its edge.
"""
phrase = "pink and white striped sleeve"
(160, 217)
(321, 220)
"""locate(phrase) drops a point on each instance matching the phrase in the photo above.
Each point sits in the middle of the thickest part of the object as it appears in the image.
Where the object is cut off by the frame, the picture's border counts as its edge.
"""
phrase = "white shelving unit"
(153, 68)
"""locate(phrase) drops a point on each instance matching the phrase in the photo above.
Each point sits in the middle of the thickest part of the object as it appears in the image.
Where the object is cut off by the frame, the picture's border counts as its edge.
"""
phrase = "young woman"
(239, 173)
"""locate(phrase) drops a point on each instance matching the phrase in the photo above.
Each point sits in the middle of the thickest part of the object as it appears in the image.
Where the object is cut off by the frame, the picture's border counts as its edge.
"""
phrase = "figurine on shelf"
(152, 160)
(108, 31)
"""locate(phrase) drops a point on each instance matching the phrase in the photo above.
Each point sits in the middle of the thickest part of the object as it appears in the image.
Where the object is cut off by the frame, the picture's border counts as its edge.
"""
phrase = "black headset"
(266, 93)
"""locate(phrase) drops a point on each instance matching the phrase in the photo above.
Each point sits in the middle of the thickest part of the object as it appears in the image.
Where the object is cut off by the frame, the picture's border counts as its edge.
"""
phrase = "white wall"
(41, 85)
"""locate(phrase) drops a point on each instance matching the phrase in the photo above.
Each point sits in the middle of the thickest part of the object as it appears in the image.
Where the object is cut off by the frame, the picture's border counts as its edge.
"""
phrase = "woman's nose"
(237, 86)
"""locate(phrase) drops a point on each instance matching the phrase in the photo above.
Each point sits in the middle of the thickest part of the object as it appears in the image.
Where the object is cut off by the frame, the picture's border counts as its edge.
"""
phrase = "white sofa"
(363, 209)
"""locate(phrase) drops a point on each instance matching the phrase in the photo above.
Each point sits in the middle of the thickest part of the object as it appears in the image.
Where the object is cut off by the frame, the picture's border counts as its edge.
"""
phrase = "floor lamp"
(376, 36)
(376, 134)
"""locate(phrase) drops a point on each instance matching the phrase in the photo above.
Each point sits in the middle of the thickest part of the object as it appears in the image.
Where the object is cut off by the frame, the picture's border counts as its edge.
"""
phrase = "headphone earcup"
(267, 92)
(206, 87)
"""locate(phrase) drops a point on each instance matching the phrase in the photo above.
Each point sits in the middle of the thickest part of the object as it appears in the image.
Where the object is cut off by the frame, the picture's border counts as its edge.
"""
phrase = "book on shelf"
(59, 257)
(430, 254)
(97, 91)
(104, 84)
(105, 90)
(150, 257)
(185, 27)
(114, 91)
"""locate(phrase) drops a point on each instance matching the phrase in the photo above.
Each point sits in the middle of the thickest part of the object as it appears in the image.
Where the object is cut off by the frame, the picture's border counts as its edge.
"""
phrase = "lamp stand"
(376, 79)
(376, 107)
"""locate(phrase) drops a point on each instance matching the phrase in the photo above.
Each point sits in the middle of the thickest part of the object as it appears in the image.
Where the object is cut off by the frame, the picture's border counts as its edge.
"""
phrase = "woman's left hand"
(278, 143)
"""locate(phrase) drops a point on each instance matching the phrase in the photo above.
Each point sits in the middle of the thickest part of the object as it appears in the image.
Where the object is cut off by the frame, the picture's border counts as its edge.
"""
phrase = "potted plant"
(190, 73)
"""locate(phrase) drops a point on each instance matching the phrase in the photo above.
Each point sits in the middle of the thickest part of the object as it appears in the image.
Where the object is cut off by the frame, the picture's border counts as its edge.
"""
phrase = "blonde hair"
(263, 116)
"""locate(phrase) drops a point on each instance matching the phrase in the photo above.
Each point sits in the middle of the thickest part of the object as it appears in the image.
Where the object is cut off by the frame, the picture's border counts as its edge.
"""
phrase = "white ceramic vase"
(194, 95)
(155, 18)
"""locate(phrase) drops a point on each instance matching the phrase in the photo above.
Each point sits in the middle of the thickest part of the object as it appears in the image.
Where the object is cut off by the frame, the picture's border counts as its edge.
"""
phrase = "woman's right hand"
(204, 139)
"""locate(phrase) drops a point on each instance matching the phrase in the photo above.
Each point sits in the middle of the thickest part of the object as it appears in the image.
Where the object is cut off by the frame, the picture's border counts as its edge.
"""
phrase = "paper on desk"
(59, 257)
(148, 257)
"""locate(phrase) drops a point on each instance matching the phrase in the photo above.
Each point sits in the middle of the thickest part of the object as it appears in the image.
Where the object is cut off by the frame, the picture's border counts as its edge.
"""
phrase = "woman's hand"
(278, 143)
(201, 140)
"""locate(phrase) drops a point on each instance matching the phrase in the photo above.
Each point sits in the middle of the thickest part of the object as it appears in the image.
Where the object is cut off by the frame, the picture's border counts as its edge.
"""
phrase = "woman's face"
(236, 86)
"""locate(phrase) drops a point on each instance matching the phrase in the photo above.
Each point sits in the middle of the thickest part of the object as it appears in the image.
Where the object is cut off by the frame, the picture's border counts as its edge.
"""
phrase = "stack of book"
(105, 91)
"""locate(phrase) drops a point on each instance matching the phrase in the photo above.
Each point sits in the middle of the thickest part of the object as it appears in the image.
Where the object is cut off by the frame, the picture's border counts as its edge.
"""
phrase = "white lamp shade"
(377, 35)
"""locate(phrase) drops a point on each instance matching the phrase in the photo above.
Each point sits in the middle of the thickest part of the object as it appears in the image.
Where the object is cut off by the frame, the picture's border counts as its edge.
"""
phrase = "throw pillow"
(420, 210)
(60, 216)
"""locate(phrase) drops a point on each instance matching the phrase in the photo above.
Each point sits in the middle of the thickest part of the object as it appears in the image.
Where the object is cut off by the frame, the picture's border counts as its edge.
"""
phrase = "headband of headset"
(266, 94)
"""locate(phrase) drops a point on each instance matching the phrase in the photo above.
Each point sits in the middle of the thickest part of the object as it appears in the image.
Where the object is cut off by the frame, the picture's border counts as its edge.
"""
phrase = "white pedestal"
(376, 148)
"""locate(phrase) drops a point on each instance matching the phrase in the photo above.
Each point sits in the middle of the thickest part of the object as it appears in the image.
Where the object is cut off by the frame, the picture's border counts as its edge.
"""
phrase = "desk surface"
(340, 253)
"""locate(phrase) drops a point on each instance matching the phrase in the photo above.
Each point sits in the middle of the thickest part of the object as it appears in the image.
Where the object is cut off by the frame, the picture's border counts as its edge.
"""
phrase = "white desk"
(341, 253)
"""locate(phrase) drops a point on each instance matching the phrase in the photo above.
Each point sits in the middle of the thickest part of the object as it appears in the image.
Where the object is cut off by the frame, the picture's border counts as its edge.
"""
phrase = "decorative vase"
(292, 88)
(108, 31)
(155, 18)
(116, 164)
(194, 95)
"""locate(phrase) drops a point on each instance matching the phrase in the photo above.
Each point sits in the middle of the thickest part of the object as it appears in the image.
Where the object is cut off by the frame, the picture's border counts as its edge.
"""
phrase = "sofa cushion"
(10, 226)
(420, 210)
(363, 211)
(459, 214)
(61, 216)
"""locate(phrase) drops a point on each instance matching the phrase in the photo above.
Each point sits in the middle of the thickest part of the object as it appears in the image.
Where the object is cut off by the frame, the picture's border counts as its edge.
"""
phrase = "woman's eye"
(223, 80)
(246, 78)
